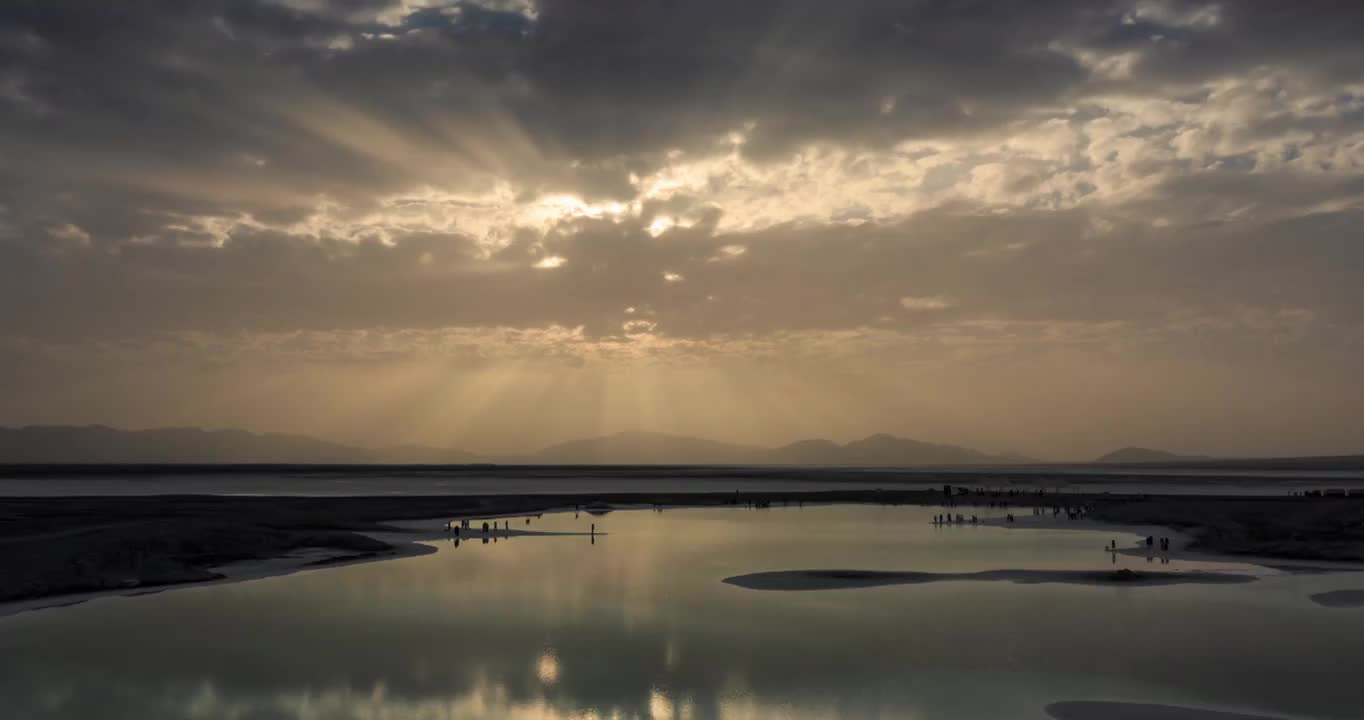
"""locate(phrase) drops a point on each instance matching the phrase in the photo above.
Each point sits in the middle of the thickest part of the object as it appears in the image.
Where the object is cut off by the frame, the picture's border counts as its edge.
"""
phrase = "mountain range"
(1145, 455)
(100, 444)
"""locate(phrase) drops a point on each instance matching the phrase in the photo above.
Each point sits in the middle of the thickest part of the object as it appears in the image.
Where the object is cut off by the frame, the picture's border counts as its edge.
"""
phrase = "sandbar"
(1100, 710)
(838, 579)
(1340, 599)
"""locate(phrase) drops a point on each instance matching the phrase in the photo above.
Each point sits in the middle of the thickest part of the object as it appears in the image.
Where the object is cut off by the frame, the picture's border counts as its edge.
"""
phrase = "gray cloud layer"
(895, 180)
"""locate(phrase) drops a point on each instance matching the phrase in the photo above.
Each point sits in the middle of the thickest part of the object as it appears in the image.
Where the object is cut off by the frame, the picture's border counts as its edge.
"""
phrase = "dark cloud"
(264, 106)
(704, 172)
(121, 118)
(171, 94)
(1185, 42)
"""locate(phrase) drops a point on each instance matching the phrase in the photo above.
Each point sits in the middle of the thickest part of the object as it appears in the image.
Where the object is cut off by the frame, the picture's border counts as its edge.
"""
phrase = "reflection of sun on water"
(547, 667)
(665, 707)
(660, 706)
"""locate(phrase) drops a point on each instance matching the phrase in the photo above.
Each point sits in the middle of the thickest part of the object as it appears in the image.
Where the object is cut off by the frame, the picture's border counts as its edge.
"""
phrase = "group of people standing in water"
(451, 527)
(1164, 542)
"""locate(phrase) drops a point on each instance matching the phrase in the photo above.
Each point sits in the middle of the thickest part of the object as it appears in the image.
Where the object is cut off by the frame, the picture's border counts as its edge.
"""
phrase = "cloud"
(933, 302)
(1027, 266)
(508, 113)
(1116, 174)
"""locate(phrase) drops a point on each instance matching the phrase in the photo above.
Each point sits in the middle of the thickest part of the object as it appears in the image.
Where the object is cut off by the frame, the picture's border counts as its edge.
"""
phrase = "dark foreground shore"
(60, 546)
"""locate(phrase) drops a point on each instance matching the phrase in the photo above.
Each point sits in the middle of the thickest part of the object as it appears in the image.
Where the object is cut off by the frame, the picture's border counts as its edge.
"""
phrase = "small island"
(1099, 710)
(1340, 599)
(848, 579)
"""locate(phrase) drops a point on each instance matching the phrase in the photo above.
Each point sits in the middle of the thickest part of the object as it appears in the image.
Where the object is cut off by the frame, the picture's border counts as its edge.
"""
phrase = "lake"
(359, 480)
(637, 623)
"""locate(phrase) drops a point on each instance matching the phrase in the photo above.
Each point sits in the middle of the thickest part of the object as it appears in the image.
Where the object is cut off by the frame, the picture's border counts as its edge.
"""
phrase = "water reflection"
(547, 668)
(640, 626)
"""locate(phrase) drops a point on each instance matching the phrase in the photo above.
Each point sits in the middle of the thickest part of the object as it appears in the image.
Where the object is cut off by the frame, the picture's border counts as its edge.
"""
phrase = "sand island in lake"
(1340, 599)
(848, 579)
(1098, 710)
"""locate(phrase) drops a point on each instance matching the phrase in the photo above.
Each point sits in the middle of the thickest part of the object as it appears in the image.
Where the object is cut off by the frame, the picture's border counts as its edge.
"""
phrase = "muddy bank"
(848, 579)
(1098, 710)
(1340, 599)
(153, 553)
(1330, 529)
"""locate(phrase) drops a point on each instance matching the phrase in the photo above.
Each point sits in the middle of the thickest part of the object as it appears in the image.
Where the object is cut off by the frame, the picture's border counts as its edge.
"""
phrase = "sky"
(1051, 227)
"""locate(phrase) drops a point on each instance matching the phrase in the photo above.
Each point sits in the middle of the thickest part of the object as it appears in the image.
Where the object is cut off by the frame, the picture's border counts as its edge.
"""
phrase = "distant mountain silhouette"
(661, 449)
(423, 455)
(806, 452)
(100, 444)
(887, 450)
(644, 448)
(1145, 455)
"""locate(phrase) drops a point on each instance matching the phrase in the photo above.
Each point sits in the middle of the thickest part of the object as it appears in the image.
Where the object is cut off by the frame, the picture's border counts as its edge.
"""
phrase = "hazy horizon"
(1007, 455)
(454, 444)
(1054, 229)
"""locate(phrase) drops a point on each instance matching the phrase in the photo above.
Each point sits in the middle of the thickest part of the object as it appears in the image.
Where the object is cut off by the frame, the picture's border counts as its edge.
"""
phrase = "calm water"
(638, 625)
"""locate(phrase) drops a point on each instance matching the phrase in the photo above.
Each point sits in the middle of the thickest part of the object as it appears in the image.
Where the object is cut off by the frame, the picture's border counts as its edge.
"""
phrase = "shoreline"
(58, 551)
(404, 538)
(242, 571)
(1180, 542)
